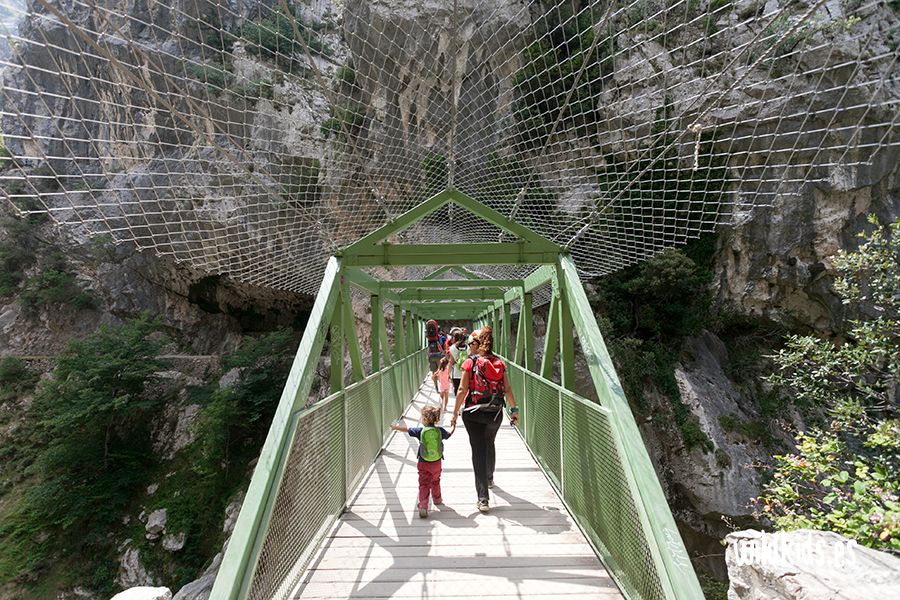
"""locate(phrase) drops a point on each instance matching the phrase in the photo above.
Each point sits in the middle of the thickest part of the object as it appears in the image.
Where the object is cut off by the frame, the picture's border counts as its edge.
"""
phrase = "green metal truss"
(397, 364)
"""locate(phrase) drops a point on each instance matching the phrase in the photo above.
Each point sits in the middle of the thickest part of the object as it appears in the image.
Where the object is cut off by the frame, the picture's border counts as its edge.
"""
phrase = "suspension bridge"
(464, 161)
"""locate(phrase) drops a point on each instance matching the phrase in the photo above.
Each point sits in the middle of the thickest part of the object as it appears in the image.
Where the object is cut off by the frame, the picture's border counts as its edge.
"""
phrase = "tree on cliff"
(845, 475)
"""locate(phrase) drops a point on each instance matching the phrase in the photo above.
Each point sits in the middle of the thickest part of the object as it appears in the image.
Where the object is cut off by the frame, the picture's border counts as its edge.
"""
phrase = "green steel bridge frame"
(590, 450)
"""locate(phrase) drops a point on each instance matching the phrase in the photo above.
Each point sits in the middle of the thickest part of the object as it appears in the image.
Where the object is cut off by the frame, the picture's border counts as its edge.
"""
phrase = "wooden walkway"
(526, 548)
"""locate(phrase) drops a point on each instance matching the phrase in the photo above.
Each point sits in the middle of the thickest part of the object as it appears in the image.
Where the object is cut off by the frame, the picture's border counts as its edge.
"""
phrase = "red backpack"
(486, 391)
(431, 337)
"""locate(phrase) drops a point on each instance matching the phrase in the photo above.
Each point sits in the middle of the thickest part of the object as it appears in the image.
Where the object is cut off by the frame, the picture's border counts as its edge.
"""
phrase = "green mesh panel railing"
(335, 441)
(572, 439)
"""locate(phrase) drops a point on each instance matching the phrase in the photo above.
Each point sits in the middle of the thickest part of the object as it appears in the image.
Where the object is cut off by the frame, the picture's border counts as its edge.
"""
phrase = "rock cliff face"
(775, 262)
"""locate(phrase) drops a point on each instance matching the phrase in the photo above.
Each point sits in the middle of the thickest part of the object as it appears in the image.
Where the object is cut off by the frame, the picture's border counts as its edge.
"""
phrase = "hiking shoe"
(483, 506)
(423, 512)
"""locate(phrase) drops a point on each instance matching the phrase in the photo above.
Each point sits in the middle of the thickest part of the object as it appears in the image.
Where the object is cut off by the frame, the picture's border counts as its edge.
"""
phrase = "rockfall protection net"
(253, 139)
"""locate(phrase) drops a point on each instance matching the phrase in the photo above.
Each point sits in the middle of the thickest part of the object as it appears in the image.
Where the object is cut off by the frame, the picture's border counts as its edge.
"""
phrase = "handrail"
(320, 470)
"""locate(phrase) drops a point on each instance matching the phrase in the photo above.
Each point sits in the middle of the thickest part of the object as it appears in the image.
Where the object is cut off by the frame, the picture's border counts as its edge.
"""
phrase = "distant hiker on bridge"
(431, 453)
(485, 390)
(458, 353)
(433, 346)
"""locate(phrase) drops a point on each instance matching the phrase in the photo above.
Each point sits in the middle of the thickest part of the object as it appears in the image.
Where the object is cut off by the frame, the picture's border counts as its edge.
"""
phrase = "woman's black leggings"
(482, 433)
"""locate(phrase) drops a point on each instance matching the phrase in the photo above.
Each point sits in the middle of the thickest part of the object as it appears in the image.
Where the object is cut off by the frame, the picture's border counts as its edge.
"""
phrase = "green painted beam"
(403, 221)
(366, 282)
(451, 283)
(673, 564)
(239, 561)
(566, 340)
(437, 273)
(399, 340)
(526, 316)
(500, 220)
(481, 294)
(541, 276)
(337, 351)
(551, 339)
(518, 357)
(518, 253)
(419, 212)
(375, 337)
(506, 328)
(349, 327)
(474, 303)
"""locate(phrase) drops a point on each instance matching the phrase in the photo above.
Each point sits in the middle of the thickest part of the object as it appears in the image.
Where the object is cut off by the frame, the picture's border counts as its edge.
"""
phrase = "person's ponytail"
(486, 340)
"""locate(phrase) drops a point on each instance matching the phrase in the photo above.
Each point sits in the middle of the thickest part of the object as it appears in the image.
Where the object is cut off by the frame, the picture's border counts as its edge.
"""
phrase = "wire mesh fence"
(254, 140)
(572, 439)
(335, 441)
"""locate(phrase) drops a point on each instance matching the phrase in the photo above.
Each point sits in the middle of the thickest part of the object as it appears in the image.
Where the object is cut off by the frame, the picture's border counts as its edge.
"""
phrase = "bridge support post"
(337, 351)
(375, 305)
(566, 339)
(551, 339)
(526, 317)
(399, 345)
(506, 326)
(349, 327)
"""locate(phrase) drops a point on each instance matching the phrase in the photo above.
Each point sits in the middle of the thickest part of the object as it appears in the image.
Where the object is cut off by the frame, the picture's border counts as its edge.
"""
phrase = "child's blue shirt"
(416, 432)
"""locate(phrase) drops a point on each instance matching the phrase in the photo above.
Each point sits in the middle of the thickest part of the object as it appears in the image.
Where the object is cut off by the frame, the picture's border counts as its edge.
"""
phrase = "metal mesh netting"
(253, 139)
(598, 493)
(334, 445)
(572, 439)
(311, 491)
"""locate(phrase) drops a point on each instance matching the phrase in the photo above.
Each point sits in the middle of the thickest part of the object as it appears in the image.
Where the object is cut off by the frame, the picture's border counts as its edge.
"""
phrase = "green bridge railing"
(591, 451)
(577, 445)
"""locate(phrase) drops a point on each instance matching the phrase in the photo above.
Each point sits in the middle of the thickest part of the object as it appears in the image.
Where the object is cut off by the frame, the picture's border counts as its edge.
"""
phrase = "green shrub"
(89, 432)
(18, 248)
(650, 308)
(16, 378)
(346, 118)
(5, 156)
(276, 38)
(845, 475)
(300, 181)
(215, 75)
(345, 75)
(255, 90)
(434, 173)
(551, 67)
(52, 287)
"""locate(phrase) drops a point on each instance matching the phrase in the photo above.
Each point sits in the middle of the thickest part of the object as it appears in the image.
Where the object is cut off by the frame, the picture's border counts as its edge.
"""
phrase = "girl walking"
(441, 379)
(431, 452)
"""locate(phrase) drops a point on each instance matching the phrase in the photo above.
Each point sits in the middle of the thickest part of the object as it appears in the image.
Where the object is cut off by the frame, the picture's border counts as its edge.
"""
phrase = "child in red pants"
(431, 452)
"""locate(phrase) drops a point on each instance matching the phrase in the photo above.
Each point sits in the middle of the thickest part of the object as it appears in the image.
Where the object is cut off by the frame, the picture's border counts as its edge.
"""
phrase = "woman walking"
(484, 390)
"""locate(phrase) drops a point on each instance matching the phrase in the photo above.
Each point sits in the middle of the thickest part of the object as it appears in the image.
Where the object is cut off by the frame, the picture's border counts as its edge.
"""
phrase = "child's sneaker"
(423, 512)
(483, 506)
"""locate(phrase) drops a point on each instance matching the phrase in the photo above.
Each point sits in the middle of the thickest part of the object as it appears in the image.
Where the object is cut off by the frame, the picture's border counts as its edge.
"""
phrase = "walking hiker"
(484, 389)
(441, 379)
(431, 453)
(458, 353)
(433, 345)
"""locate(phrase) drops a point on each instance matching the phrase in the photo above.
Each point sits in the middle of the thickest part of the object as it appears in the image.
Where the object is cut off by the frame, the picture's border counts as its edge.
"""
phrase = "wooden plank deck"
(527, 547)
